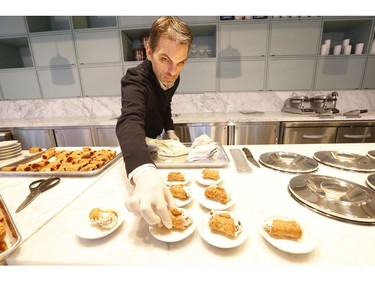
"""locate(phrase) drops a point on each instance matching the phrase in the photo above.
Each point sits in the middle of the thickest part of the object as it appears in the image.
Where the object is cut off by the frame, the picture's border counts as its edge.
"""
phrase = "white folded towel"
(206, 151)
(172, 148)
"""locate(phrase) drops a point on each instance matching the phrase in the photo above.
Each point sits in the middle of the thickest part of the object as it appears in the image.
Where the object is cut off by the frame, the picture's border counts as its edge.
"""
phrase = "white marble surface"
(262, 193)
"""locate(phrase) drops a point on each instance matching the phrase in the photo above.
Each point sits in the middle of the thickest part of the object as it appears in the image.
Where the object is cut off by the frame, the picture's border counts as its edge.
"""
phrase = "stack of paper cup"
(328, 43)
(347, 49)
(345, 42)
(323, 50)
(359, 48)
(337, 50)
(372, 51)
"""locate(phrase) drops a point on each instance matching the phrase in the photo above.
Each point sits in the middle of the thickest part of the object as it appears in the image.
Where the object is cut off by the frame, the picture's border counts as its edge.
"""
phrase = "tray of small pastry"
(10, 238)
(63, 161)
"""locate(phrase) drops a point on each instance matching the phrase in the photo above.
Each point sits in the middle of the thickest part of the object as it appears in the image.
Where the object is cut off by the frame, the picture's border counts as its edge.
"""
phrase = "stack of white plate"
(9, 149)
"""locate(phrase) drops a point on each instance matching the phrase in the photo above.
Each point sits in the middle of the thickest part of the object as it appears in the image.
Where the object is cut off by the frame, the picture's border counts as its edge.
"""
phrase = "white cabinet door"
(242, 75)
(53, 50)
(369, 79)
(198, 77)
(101, 80)
(12, 25)
(18, 84)
(60, 82)
(98, 47)
(137, 21)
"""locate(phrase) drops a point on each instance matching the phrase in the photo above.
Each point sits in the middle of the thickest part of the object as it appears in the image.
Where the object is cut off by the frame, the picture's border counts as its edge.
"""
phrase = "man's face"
(168, 59)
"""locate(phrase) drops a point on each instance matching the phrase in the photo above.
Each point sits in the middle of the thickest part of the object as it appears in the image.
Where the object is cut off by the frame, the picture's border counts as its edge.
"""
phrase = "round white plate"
(220, 240)
(215, 205)
(166, 235)
(304, 245)
(208, 182)
(8, 143)
(14, 154)
(11, 152)
(187, 179)
(10, 148)
(88, 231)
(181, 203)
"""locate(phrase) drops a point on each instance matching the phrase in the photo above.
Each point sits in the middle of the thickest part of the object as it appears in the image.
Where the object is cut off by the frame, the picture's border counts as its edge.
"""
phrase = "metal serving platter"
(37, 157)
(371, 154)
(12, 237)
(346, 161)
(221, 160)
(288, 162)
(335, 198)
(371, 181)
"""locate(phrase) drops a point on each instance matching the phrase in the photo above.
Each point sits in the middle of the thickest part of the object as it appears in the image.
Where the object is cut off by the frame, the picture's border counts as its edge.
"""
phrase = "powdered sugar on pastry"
(105, 219)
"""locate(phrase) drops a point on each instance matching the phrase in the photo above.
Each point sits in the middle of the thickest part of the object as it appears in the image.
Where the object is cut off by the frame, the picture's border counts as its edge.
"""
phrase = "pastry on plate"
(3, 246)
(35, 149)
(217, 193)
(3, 231)
(105, 219)
(180, 191)
(285, 229)
(224, 223)
(175, 176)
(180, 218)
(210, 174)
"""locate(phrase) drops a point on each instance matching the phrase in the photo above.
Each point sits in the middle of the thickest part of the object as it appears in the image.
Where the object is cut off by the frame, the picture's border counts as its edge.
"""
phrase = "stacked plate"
(10, 149)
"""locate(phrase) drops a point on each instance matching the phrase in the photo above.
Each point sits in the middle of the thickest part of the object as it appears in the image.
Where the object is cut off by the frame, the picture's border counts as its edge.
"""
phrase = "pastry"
(180, 219)
(224, 223)
(3, 231)
(217, 193)
(105, 219)
(286, 229)
(34, 149)
(176, 176)
(3, 246)
(210, 174)
(180, 191)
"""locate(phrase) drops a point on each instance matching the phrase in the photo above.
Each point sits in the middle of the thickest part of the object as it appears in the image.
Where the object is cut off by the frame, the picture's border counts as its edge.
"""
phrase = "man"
(146, 93)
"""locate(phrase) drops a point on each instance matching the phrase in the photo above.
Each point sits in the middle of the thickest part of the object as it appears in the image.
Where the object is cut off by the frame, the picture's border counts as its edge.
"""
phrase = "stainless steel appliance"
(5, 135)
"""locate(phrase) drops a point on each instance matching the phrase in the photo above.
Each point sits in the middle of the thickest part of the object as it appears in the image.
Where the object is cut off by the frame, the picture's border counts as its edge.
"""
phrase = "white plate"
(11, 152)
(219, 240)
(88, 231)
(208, 182)
(215, 205)
(7, 156)
(304, 245)
(166, 235)
(181, 203)
(187, 179)
(10, 149)
(8, 143)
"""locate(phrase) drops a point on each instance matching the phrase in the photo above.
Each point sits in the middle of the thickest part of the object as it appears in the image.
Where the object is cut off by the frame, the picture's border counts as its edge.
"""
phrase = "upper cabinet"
(10, 26)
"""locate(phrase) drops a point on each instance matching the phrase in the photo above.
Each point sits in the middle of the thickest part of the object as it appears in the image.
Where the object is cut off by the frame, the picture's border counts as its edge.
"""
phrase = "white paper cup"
(359, 48)
(328, 43)
(346, 42)
(323, 50)
(337, 50)
(347, 49)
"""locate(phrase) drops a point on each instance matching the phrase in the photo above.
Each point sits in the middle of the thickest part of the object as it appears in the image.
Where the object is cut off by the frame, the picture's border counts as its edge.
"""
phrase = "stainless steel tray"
(13, 237)
(181, 161)
(335, 198)
(346, 161)
(36, 157)
(288, 162)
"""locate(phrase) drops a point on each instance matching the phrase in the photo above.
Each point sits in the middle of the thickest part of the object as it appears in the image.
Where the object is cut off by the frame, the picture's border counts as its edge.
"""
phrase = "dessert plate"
(88, 231)
(220, 240)
(8, 143)
(181, 203)
(166, 235)
(208, 182)
(304, 245)
(215, 205)
(186, 176)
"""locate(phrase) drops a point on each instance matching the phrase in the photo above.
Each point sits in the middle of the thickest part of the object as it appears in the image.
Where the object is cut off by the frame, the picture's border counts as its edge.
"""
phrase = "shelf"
(43, 24)
(15, 53)
(94, 22)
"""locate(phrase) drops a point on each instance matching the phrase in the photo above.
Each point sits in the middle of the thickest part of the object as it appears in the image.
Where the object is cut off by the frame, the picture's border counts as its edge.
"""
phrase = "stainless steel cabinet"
(189, 132)
(74, 136)
(29, 137)
(254, 133)
(106, 136)
(356, 134)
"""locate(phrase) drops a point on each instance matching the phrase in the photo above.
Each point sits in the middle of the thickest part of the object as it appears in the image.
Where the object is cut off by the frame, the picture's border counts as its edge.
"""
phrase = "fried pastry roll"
(9, 168)
(217, 193)
(34, 149)
(180, 191)
(49, 153)
(3, 246)
(106, 219)
(180, 219)
(210, 174)
(3, 231)
(223, 223)
(286, 229)
(175, 176)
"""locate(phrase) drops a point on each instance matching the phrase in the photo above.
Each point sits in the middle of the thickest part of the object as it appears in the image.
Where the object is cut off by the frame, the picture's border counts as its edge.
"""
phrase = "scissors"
(37, 188)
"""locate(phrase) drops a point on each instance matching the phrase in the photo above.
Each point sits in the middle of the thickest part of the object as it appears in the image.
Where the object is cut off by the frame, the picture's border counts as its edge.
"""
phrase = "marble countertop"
(217, 117)
(262, 193)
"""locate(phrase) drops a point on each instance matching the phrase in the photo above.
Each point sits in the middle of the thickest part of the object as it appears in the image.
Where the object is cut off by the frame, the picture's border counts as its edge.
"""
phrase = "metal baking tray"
(12, 237)
(335, 198)
(346, 161)
(37, 157)
(181, 161)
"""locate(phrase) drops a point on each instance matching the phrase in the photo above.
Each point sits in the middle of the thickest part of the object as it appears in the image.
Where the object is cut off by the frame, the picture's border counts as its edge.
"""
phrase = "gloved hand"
(152, 198)
(172, 135)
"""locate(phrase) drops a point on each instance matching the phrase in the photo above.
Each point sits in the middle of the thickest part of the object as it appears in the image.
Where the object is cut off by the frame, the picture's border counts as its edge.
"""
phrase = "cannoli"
(105, 219)
(223, 223)
(210, 174)
(3, 246)
(3, 231)
(180, 219)
(217, 193)
(286, 229)
(175, 176)
(34, 149)
(180, 191)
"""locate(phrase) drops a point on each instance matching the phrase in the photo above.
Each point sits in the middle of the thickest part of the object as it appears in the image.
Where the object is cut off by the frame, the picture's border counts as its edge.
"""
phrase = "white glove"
(152, 198)
(172, 135)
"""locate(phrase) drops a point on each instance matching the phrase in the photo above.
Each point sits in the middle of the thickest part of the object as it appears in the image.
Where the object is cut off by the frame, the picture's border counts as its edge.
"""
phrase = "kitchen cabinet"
(106, 136)
(29, 137)
(198, 76)
(369, 77)
(218, 132)
(47, 23)
(87, 22)
(12, 25)
(74, 136)
(254, 133)
(356, 133)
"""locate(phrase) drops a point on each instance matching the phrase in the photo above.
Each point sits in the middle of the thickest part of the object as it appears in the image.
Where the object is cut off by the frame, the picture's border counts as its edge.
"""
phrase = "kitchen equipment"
(346, 161)
(312, 105)
(335, 198)
(239, 160)
(355, 113)
(5, 136)
(371, 181)
(36, 188)
(250, 157)
(288, 162)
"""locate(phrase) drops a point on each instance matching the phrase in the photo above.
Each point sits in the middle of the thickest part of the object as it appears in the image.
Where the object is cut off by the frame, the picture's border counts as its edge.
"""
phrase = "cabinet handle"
(357, 136)
(314, 136)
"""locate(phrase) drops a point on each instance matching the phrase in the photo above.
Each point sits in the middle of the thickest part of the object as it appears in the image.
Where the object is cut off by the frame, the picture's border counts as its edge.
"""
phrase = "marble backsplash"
(182, 103)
